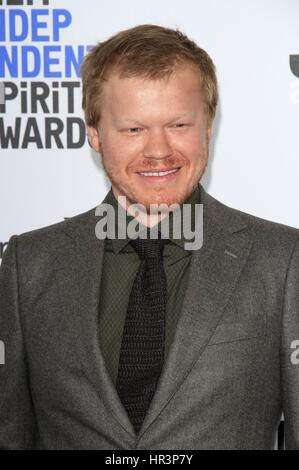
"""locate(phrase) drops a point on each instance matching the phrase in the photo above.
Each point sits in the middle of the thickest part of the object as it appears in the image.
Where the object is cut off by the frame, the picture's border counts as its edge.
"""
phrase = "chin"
(172, 195)
(168, 199)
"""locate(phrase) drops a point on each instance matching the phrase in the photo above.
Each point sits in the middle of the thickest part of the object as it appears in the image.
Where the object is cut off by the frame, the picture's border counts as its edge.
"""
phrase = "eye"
(180, 125)
(134, 130)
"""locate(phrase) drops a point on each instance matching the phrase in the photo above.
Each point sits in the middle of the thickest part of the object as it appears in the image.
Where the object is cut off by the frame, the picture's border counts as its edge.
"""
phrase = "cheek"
(117, 157)
(190, 146)
(121, 152)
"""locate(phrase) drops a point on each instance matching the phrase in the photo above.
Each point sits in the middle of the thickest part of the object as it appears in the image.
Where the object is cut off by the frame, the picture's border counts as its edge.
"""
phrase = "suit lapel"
(214, 271)
(78, 272)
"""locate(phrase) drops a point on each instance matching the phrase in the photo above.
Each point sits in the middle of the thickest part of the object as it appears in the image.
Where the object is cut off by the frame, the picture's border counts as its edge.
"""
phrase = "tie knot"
(149, 247)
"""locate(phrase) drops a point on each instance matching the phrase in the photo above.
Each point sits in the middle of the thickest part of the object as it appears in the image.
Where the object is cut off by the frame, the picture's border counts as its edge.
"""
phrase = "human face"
(153, 126)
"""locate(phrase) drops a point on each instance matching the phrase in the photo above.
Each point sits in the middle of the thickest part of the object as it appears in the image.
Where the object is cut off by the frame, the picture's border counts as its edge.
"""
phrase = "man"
(118, 342)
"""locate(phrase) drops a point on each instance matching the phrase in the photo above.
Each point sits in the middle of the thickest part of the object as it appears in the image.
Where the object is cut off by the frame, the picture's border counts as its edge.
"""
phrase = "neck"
(146, 217)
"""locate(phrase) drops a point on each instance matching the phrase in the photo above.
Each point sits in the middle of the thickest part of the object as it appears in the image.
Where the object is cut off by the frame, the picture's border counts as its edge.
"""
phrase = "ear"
(209, 134)
(93, 139)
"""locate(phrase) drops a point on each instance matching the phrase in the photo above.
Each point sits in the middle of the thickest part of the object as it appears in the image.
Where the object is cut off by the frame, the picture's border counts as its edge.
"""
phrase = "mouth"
(161, 175)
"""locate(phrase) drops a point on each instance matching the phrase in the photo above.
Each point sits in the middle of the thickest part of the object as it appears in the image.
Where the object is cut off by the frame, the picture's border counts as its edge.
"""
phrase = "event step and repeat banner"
(42, 79)
(48, 171)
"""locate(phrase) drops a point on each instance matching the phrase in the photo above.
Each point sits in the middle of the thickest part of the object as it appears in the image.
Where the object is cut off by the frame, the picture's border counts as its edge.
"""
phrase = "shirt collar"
(119, 243)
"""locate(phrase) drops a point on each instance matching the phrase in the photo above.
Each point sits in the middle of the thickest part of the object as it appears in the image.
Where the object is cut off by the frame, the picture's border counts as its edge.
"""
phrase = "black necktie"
(142, 348)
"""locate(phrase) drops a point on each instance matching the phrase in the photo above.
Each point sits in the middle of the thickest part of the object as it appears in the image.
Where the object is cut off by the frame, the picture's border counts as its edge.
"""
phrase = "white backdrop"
(254, 163)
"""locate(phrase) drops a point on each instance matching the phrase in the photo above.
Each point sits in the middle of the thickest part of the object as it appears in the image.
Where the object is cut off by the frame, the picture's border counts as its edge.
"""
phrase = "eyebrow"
(175, 118)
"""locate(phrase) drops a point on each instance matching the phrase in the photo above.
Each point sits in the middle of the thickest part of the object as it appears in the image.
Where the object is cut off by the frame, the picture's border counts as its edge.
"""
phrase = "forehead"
(181, 89)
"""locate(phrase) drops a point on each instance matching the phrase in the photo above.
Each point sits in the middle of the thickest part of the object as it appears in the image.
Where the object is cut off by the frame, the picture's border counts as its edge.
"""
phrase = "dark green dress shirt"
(120, 267)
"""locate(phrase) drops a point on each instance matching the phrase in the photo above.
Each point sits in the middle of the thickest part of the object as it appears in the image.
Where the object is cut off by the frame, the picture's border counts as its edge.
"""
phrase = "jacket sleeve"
(17, 422)
(290, 352)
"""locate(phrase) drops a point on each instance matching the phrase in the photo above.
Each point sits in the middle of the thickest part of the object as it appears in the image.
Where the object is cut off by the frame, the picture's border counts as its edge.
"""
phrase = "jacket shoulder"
(43, 241)
(258, 227)
(273, 243)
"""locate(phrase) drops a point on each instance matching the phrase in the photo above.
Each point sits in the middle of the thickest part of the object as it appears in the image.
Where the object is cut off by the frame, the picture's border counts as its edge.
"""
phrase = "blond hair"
(147, 51)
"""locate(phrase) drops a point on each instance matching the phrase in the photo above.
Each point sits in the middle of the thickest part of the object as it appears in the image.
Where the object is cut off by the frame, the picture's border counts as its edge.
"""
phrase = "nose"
(157, 145)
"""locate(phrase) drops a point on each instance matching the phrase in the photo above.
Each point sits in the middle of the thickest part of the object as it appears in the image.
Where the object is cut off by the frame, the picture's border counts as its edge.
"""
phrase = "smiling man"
(121, 340)
(153, 136)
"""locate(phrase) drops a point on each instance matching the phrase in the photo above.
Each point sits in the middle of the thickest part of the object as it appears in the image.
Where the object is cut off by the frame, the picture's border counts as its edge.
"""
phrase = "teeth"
(159, 173)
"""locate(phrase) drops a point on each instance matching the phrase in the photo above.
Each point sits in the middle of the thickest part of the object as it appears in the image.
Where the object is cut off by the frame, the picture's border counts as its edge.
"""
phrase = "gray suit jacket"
(228, 375)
